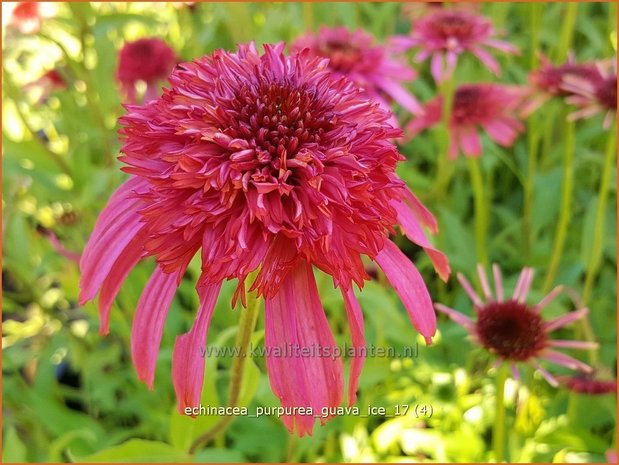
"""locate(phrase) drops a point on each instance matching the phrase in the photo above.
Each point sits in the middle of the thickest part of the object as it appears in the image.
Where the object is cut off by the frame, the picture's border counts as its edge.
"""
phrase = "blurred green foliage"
(70, 394)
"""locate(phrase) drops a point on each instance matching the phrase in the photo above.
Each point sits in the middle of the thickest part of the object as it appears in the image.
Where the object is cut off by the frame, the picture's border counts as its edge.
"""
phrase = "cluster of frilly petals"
(264, 163)
(492, 107)
(150, 60)
(447, 33)
(370, 66)
(594, 93)
(515, 331)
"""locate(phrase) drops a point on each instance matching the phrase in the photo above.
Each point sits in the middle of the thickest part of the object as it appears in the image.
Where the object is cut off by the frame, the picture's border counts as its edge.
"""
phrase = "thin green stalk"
(597, 245)
(529, 185)
(481, 210)
(567, 32)
(566, 206)
(444, 170)
(498, 436)
(247, 324)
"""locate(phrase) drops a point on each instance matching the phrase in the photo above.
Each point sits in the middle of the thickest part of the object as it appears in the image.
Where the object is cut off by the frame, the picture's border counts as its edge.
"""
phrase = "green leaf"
(215, 455)
(137, 450)
(13, 450)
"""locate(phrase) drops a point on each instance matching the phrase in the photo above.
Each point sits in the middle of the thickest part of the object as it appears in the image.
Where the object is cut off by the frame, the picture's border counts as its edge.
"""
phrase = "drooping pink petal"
(487, 59)
(119, 272)
(413, 231)
(436, 67)
(294, 317)
(148, 322)
(469, 141)
(355, 322)
(116, 226)
(420, 211)
(411, 288)
(585, 345)
(188, 355)
(400, 95)
(469, 290)
(551, 379)
(500, 132)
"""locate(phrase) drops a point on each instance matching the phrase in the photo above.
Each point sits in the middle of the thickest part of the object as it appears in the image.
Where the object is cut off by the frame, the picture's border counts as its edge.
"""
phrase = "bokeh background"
(70, 394)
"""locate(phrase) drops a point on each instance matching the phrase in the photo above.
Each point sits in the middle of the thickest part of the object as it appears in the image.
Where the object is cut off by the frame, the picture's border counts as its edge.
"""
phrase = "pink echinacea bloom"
(515, 331)
(149, 60)
(266, 164)
(354, 55)
(445, 34)
(593, 94)
(489, 106)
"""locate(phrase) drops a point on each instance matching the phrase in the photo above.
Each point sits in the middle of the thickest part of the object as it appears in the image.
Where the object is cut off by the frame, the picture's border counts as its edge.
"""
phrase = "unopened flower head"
(489, 106)
(515, 330)
(445, 34)
(150, 60)
(266, 164)
(370, 66)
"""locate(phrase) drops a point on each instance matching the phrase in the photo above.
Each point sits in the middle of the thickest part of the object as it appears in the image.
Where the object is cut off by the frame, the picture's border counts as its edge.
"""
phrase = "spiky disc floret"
(262, 160)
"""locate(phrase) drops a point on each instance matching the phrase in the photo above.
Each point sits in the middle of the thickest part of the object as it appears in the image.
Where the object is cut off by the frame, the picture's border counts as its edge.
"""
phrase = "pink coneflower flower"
(514, 330)
(588, 383)
(354, 55)
(593, 94)
(150, 60)
(490, 106)
(445, 34)
(48, 83)
(547, 81)
(263, 163)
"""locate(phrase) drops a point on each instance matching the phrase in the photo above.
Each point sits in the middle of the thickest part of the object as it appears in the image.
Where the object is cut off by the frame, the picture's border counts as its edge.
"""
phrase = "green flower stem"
(498, 436)
(481, 210)
(598, 232)
(444, 168)
(247, 324)
(567, 32)
(566, 206)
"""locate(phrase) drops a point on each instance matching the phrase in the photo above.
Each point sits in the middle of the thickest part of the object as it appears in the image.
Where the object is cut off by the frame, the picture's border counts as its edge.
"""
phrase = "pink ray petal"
(565, 360)
(119, 272)
(498, 282)
(294, 317)
(515, 372)
(355, 323)
(500, 132)
(400, 95)
(551, 379)
(502, 45)
(549, 298)
(456, 316)
(436, 67)
(469, 290)
(585, 345)
(487, 59)
(564, 320)
(483, 279)
(422, 214)
(526, 286)
(148, 322)
(188, 356)
(413, 231)
(470, 142)
(411, 288)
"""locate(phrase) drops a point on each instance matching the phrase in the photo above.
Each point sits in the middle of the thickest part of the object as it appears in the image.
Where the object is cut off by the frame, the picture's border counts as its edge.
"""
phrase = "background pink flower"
(354, 55)
(514, 330)
(262, 163)
(547, 81)
(596, 93)
(444, 34)
(490, 106)
(150, 60)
